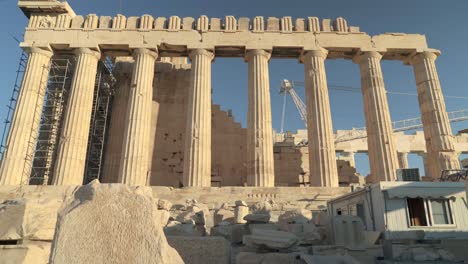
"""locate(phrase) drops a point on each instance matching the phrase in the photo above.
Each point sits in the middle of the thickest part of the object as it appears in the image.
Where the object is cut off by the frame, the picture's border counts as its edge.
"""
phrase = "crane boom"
(286, 88)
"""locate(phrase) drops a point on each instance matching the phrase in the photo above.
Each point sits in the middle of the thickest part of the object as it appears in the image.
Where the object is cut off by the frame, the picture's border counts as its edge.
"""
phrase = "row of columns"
(135, 154)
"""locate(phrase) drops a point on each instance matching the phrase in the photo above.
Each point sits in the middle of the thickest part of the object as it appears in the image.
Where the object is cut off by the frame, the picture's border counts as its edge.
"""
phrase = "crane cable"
(358, 90)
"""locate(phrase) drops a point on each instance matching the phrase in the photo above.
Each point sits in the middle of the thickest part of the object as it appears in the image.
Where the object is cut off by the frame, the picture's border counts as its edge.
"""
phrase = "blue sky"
(443, 22)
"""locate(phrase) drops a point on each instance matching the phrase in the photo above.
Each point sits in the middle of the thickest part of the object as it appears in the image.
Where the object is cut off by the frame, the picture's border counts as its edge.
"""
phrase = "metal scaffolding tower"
(58, 85)
(102, 104)
(43, 145)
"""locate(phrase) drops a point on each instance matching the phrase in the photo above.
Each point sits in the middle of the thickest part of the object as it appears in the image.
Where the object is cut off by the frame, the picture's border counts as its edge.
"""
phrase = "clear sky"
(443, 22)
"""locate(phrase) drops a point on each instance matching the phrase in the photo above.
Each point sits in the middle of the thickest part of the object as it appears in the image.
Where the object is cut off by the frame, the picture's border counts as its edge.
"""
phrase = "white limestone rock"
(262, 238)
(99, 226)
(309, 259)
(35, 253)
(202, 250)
(240, 203)
(164, 205)
(298, 216)
(445, 255)
(223, 215)
(190, 215)
(27, 218)
(263, 226)
(264, 207)
(257, 218)
(322, 219)
(269, 258)
(308, 233)
(239, 213)
(175, 228)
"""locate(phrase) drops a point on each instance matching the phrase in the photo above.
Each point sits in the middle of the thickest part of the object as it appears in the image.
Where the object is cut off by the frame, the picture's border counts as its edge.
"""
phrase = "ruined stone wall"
(169, 115)
(229, 152)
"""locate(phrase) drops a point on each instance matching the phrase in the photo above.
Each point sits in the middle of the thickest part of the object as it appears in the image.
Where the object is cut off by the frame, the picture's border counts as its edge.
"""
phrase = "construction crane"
(287, 87)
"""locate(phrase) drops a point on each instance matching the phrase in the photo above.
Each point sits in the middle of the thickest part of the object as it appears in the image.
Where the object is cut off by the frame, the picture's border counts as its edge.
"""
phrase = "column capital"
(418, 56)
(257, 52)
(363, 55)
(203, 52)
(37, 50)
(79, 51)
(320, 52)
(144, 51)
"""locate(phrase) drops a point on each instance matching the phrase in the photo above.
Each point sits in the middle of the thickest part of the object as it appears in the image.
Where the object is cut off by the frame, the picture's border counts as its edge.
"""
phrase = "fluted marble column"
(73, 144)
(403, 160)
(134, 161)
(437, 131)
(382, 151)
(17, 159)
(322, 156)
(260, 163)
(123, 74)
(197, 153)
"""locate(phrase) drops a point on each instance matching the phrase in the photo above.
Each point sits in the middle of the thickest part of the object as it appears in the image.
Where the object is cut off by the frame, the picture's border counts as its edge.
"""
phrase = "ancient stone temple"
(160, 125)
(127, 101)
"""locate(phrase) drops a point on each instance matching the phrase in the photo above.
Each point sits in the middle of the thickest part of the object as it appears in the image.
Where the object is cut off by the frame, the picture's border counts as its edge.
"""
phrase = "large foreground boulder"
(111, 223)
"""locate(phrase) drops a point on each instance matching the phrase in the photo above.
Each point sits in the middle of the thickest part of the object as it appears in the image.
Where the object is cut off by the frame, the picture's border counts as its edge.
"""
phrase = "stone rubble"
(270, 239)
(110, 232)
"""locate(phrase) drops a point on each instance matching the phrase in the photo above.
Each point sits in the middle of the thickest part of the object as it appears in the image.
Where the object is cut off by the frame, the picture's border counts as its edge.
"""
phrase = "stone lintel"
(228, 44)
(28, 47)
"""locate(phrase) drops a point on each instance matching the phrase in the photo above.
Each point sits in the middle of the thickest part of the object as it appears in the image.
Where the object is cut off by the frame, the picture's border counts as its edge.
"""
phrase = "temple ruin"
(127, 100)
(142, 117)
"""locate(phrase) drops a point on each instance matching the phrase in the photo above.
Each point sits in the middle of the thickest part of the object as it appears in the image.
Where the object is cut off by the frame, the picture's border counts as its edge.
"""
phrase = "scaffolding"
(58, 85)
(100, 118)
(12, 102)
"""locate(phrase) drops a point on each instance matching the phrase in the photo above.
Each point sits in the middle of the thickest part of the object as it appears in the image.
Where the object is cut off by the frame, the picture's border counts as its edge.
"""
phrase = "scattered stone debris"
(262, 238)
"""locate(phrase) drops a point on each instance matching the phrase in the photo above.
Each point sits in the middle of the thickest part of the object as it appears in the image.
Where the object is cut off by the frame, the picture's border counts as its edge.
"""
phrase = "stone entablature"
(202, 24)
(229, 37)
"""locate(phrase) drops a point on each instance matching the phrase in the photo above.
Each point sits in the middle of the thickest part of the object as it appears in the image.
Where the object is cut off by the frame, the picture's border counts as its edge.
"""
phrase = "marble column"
(403, 160)
(437, 131)
(426, 164)
(73, 143)
(123, 74)
(17, 159)
(260, 163)
(381, 148)
(322, 156)
(135, 158)
(197, 153)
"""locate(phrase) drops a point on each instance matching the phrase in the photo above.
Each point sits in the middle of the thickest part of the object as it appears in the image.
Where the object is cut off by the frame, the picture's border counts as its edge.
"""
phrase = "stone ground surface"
(201, 250)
